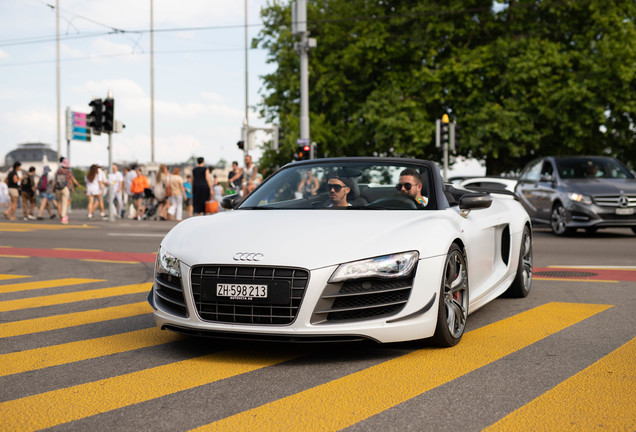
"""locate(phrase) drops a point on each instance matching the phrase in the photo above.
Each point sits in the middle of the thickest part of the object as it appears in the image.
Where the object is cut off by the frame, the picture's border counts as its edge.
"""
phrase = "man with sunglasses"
(338, 189)
(410, 183)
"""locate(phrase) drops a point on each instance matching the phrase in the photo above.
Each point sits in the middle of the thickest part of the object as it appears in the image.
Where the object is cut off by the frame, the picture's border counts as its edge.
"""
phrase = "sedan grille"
(614, 200)
(290, 282)
(169, 294)
(365, 299)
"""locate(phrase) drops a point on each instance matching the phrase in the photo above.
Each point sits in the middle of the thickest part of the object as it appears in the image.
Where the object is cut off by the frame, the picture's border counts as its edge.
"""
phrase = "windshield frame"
(385, 174)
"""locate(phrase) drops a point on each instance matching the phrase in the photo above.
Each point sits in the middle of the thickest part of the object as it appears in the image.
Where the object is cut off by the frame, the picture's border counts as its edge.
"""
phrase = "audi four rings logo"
(623, 201)
(248, 256)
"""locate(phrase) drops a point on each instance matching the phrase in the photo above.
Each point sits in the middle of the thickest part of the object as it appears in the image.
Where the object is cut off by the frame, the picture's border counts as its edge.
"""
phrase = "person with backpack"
(13, 184)
(27, 188)
(64, 186)
(47, 197)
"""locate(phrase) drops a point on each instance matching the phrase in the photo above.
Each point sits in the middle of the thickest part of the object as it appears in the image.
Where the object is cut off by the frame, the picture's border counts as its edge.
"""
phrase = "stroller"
(150, 205)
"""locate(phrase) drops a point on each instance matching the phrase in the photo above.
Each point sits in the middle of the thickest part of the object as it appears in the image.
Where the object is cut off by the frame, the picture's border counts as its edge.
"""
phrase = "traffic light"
(445, 130)
(95, 116)
(109, 115)
(241, 145)
(303, 152)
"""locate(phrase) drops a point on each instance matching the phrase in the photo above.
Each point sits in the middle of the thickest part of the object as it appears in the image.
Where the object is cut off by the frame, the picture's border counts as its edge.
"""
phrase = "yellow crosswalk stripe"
(64, 405)
(24, 227)
(35, 325)
(25, 286)
(40, 358)
(10, 276)
(602, 396)
(346, 401)
(56, 299)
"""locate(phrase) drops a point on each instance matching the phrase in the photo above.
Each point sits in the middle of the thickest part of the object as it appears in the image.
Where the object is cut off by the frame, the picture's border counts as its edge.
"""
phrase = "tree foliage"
(523, 79)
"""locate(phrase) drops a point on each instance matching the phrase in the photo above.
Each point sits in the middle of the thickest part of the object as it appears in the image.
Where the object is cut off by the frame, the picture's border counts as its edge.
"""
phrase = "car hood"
(601, 186)
(305, 238)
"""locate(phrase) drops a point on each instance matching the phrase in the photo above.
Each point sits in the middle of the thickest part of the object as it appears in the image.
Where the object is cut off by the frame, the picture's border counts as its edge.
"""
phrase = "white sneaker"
(31, 217)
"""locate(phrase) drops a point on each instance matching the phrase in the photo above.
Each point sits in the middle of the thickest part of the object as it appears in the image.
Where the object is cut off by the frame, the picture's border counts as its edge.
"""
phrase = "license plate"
(624, 211)
(241, 291)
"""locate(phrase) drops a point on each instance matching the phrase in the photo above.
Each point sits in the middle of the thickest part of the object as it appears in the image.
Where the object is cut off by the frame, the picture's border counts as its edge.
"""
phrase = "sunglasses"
(335, 187)
(406, 186)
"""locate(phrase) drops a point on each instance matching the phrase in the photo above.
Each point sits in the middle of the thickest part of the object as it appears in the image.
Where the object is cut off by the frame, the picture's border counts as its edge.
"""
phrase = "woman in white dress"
(93, 189)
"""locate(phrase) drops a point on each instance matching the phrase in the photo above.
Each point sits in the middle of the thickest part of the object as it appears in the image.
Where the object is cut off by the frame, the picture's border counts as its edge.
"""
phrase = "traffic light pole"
(299, 27)
(111, 193)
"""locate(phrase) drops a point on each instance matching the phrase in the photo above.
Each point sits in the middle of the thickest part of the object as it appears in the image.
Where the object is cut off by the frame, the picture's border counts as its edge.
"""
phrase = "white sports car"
(344, 249)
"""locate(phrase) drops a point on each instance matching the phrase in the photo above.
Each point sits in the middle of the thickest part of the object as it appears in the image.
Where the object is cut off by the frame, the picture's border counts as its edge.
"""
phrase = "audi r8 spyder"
(376, 248)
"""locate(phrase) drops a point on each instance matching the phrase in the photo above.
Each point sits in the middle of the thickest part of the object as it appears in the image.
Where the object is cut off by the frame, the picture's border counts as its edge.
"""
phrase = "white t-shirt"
(115, 180)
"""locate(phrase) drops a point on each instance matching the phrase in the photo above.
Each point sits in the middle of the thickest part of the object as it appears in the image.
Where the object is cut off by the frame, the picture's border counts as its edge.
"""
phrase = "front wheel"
(520, 287)
(558, 221)
(453, 303)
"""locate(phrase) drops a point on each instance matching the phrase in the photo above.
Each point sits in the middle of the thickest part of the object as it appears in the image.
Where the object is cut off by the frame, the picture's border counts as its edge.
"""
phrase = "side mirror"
(231, 201)
(475, 201)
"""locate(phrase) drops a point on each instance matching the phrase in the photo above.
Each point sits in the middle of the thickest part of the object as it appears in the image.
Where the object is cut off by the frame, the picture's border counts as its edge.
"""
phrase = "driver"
(410, 183)
(338, 188)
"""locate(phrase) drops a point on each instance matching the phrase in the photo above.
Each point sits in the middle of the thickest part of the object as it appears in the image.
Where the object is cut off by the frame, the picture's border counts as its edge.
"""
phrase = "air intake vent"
(505, 245)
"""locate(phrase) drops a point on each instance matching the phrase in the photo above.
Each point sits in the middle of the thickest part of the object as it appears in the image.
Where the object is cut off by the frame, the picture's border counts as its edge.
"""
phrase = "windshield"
(592, 167)
(342, 185)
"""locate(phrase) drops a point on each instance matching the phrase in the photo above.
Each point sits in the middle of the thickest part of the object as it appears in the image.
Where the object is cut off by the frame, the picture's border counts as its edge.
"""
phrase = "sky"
(199, 75)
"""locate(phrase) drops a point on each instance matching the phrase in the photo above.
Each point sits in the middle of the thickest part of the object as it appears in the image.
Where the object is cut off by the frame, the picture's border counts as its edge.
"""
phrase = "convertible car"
(344, 249)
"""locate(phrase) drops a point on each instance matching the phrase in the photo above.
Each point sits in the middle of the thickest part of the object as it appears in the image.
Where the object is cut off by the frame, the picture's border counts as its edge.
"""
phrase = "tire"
(522, 283)
(558, 221)
(453, 301)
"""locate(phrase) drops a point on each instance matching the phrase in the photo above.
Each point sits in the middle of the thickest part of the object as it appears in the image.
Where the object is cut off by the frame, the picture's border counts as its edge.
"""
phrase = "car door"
(481, 229)
(545, 191)
(527, 189)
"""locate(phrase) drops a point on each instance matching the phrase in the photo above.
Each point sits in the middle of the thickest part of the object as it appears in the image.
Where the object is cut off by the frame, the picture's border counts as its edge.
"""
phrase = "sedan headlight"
(580, 198)
(167, 263)
(387, 267)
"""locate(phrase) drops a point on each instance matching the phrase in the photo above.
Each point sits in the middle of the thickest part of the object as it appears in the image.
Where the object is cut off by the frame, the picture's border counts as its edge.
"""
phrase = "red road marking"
(80, 254)
(627, 275)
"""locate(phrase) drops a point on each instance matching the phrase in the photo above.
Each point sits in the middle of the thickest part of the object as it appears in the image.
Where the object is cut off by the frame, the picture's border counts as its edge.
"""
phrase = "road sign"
(80, 129)
(302, 141)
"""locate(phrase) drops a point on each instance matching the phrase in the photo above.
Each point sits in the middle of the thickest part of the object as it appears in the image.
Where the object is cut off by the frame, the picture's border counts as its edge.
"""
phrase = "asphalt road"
(79, 350)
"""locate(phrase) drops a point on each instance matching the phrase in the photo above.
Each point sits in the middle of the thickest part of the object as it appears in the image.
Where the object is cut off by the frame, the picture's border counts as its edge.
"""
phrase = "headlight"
(167, 263)
(388, 266)
(580, 198)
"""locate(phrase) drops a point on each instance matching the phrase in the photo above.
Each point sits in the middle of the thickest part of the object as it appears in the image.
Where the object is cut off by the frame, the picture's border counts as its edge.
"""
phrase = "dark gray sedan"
(589, 192)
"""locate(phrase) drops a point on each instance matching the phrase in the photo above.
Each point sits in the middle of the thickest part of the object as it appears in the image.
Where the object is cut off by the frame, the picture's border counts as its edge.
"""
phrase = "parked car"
(489, 183)
(568, 193)
(284, 265)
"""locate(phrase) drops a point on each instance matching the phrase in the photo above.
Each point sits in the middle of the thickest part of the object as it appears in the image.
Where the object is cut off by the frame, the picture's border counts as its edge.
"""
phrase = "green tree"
(526, 78)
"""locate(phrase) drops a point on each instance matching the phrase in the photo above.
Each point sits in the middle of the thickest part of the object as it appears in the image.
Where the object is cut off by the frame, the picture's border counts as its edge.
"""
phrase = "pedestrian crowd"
(166, 196)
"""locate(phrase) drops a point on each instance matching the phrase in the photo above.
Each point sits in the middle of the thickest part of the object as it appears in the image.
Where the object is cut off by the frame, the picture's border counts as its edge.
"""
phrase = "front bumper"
(592, 215)
(416, 320)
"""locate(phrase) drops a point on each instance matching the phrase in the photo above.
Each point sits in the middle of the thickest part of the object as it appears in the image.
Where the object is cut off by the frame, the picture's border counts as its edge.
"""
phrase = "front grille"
(365, 299)
(169, 294)
(612, 200)
(246, 311)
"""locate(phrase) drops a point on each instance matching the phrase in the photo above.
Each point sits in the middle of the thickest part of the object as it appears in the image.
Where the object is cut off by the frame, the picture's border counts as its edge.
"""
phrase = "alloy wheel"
(456, 293)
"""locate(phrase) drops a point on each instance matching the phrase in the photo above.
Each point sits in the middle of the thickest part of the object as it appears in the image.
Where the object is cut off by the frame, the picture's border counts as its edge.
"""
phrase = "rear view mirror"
(475, 201)
(231, 201)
